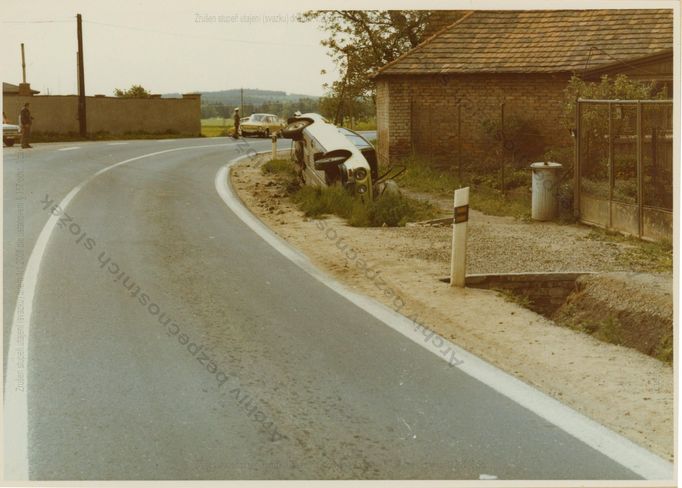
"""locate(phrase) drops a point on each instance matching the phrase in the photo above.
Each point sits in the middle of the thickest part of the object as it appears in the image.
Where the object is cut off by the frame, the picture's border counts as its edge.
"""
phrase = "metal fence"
(624, 166)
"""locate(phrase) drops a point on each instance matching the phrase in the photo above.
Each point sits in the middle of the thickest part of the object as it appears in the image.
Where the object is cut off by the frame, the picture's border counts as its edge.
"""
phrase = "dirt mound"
(629, 309)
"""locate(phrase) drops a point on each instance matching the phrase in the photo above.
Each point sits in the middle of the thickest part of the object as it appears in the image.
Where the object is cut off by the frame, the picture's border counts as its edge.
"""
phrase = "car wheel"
(8, 142)
(266, 134)
(295, 129)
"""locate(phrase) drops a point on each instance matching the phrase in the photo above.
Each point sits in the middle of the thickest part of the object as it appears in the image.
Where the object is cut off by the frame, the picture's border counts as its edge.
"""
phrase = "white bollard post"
(459, 238)
(274, 146)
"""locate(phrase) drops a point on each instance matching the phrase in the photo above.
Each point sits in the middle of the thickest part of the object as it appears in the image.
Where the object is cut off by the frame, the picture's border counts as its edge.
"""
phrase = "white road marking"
(614, 446)
(16, 466)
(116, 143)
(71, 148)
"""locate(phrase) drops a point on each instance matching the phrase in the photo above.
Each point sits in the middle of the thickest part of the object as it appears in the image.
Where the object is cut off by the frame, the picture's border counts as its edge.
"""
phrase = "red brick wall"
(383, 133)
(418, 114)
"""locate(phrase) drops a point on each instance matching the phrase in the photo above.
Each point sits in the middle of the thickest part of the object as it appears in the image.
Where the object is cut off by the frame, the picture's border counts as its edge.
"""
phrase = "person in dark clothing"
(236, 123)
(26, 121)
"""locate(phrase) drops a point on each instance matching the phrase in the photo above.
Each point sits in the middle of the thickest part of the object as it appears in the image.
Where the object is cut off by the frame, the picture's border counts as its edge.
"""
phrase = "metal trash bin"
(545, 202)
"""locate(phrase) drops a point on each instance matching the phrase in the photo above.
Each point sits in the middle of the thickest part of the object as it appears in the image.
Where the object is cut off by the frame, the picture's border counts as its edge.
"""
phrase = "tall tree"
(361, 41)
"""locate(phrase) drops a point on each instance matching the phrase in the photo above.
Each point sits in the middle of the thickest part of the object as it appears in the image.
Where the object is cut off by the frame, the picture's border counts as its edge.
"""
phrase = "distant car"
(10, 132)
(327, 155)
(262, 125)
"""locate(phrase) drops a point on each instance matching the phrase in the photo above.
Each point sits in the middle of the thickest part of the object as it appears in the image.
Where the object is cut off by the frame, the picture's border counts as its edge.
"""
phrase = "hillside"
(251, 95)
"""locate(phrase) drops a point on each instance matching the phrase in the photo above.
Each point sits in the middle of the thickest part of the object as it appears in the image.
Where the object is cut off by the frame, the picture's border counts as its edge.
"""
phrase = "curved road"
(168, 340)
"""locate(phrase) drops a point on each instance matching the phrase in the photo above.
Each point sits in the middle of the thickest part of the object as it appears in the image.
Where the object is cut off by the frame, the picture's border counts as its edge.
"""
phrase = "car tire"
(295, 129)
(266, 134)
(8, 142)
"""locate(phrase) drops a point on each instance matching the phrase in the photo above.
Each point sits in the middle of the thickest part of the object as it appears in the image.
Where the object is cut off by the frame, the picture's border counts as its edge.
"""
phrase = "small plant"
(388, 210)
(278, 166)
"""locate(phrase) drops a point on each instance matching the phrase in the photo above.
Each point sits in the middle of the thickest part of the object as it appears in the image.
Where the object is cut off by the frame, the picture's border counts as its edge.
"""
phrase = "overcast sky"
(165, 46)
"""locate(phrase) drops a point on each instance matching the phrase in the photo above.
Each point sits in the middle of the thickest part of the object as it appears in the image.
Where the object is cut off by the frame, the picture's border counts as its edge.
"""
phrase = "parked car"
(11, 133)
(262, 125)
(327, 155)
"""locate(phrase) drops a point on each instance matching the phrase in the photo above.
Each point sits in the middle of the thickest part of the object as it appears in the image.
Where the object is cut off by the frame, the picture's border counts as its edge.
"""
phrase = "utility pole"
(81, 79)
(23, 64)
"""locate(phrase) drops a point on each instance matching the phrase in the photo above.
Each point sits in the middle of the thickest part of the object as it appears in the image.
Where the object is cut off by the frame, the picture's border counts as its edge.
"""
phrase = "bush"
(519, 140)
(390, 210)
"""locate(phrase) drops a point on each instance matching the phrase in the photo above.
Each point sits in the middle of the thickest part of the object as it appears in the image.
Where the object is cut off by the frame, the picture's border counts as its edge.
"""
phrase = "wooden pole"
(23, 64)
(81, 79)
(459, 238)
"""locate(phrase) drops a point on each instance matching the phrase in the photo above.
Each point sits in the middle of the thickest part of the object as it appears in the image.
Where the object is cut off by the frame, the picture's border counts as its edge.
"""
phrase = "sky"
(165, 46)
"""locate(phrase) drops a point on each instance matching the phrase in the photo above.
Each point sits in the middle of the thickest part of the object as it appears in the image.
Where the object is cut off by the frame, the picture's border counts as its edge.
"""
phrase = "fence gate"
(624, 166)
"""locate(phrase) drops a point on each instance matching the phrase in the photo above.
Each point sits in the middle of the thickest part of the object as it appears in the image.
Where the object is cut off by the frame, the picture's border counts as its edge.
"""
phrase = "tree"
(621, 87)
(360, 42)
(135, 91)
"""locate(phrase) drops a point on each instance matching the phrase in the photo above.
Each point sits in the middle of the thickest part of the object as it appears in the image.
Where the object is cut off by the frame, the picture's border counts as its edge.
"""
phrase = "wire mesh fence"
(624, 168)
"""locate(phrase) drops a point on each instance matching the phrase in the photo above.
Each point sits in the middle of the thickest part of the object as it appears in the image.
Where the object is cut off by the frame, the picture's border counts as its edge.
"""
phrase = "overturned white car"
(328, 155)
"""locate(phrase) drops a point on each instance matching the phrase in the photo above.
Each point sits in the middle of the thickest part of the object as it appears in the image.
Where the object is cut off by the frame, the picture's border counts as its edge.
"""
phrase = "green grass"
(370, 124)
(215, 131)
(216, 127)
(217, 121)
(420, 176)
(388, 210)
(643, 255)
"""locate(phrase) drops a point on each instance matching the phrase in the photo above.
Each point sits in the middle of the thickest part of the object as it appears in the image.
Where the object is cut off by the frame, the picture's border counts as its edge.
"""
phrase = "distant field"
(216, 127)
(217, 121)
(370, 124)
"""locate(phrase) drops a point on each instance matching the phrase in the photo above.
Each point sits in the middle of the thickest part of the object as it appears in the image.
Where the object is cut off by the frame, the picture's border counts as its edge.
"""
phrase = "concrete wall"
(418, 113)
(546, 292)
(59, 114)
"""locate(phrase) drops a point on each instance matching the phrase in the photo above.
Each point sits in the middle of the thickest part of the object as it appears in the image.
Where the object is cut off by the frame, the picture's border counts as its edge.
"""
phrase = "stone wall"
(59, 114)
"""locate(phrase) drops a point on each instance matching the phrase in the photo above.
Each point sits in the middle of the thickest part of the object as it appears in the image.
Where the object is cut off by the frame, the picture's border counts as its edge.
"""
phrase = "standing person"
(236, 123)
(26, 121)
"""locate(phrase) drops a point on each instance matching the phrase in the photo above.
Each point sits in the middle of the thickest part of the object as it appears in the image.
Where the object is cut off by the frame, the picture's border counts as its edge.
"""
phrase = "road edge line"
(609, 443)
(15, 407)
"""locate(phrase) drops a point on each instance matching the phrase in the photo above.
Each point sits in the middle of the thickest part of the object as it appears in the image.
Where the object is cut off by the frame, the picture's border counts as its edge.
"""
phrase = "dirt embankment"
(619, 387)
(632, 309)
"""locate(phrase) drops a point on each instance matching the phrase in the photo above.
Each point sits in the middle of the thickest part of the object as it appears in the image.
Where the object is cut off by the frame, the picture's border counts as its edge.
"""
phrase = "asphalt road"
(178, 344)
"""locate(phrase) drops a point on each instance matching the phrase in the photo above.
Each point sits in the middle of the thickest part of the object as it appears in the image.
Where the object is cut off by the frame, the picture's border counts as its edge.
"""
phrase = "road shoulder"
(622, 389)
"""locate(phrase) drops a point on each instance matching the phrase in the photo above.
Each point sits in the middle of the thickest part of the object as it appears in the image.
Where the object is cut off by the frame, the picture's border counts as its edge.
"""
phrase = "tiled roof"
(538, 41)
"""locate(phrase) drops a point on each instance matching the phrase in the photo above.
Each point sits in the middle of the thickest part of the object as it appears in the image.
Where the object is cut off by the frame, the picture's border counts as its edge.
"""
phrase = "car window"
(257, 118)
(357, 141)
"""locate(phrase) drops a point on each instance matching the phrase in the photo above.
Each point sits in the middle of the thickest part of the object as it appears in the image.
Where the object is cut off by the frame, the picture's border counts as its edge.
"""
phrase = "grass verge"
(420, 176)
(642, 256)
(388, 210)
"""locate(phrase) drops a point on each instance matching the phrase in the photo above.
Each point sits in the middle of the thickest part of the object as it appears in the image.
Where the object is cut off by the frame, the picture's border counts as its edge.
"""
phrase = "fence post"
(610, 168)
(577, 159)
(459, 141)
(640, 173)
(459, 238)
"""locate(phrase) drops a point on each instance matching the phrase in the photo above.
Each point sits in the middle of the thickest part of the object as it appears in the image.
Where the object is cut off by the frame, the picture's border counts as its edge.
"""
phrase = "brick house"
(435, 99)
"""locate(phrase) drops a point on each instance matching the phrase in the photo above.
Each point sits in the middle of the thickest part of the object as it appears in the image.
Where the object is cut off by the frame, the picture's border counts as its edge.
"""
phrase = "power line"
(35, 21)
(214, 38)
